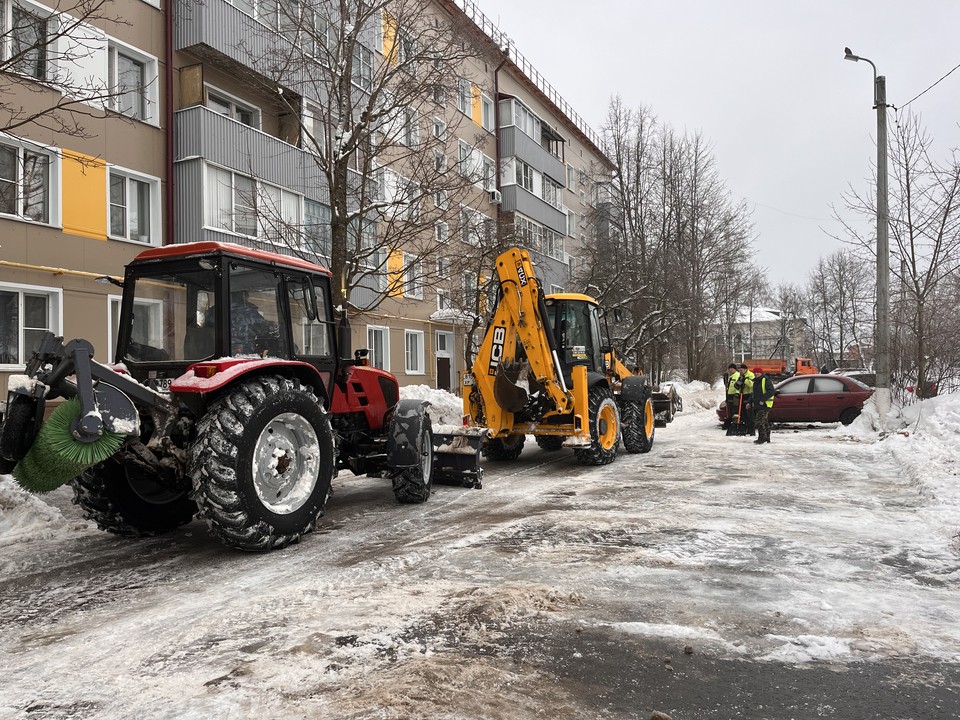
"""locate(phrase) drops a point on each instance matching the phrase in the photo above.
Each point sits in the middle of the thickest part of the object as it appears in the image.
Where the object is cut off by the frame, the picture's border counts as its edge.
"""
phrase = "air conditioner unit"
(495, 197)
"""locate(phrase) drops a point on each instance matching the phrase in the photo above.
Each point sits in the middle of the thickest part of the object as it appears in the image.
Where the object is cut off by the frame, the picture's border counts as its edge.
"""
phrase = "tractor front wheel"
(130, 506)
(263, 463)
(638, 425)
(413, 484)
(604, 428)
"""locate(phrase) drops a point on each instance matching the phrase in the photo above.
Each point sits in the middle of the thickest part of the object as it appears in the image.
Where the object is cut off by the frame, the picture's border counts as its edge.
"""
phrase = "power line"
(929, 88)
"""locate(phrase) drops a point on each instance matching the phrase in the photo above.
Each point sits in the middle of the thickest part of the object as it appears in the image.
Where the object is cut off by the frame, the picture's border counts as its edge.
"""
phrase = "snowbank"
(26, 517)
(923, 438)
(445, 407)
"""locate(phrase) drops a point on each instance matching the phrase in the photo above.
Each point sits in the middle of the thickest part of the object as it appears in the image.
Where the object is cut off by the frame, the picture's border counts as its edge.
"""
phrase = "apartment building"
(242, 143)
(82, 165)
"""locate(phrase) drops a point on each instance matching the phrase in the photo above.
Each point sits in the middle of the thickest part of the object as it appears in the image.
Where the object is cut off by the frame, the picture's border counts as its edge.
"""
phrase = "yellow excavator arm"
(519, 324)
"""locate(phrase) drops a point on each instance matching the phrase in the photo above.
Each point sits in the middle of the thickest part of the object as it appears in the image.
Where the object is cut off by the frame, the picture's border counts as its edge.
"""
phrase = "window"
(526, 121)
(472, 225)
(409, 132)
(26, 312)
(571, 223)
(571, 178)
(476, 166)
(443, 295)
(25, 183)
(315, 335)
(552, 193)
(231, 107)
(489, 174)
(316, 220)
(28, 42)
(439, 161)
(795, 387)
(413, 351)
(362, 67)
(439, 129)
(133, 77)
(572, 267)
(524, 175)
(378, 343)
(441, 232)
(231, 201)
(464, 96)
(440, 199)
(412, 277)
(132, 204)
(278, 214)
(313, 130)
(439, 94)
(486, 113)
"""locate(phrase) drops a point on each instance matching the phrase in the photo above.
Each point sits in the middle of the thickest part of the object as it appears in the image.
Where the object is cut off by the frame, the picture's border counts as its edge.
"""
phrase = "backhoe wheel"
(508, 448)
(263, 463)
(638, 425)
(413, 484)
(550, 443)
(604, 428)
(132, 507)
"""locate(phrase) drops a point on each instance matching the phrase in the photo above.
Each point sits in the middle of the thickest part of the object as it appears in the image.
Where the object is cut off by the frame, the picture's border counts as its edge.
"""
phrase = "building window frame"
(27, 337)
(150, 191)
(413, 352)
(17, 200)
(140, 101)
(379, 352)
(236, 109)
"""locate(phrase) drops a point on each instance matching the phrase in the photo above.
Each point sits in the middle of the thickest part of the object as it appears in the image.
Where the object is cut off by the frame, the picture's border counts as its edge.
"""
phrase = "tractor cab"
(190, 303)
(575, 320)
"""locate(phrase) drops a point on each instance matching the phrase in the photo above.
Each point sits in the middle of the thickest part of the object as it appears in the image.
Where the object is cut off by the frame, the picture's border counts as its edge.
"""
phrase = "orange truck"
(778, 367)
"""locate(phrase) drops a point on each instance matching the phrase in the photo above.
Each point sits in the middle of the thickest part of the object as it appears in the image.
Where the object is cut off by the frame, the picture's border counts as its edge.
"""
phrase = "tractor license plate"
(161, 384)
(468, 378)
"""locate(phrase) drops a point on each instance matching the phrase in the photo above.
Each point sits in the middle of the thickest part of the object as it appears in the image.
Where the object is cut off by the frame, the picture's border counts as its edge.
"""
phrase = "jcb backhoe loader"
(543, 370)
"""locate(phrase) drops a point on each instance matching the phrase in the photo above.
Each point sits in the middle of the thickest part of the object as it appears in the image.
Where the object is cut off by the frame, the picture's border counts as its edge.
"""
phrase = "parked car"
(867, 377)
(815, 398)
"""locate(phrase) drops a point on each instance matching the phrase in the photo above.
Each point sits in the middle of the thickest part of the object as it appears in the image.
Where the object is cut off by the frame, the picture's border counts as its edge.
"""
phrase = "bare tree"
(925, 243)
(839, 304)
(53, 68)
(390, 134)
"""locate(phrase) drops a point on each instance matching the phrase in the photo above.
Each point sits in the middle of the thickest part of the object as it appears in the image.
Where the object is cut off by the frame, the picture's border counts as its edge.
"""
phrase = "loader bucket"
(456, 455)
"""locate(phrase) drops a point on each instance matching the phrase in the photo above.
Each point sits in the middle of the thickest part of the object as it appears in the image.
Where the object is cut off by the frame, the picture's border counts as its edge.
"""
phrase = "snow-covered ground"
(830, 546)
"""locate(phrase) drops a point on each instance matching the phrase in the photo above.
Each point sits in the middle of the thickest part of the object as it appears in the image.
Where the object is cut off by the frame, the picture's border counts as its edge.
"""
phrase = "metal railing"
(503, 41)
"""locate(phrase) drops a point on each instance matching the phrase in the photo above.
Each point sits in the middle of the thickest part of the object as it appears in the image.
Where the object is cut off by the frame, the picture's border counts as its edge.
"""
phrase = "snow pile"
(923, 438)
(26, 517)
(445, 407)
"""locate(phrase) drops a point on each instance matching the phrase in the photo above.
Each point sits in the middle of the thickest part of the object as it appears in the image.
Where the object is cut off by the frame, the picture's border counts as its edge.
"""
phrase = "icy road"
(817, 576)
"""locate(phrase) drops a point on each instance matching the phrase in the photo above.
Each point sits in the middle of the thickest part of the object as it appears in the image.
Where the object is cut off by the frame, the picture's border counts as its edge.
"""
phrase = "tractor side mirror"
(309, 299)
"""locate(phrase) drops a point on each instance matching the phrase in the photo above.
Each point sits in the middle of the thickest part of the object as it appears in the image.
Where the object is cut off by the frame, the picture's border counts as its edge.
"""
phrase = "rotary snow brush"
(57, 456)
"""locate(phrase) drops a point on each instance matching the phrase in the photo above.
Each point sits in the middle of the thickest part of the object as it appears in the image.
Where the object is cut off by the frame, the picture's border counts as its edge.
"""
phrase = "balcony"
(203, 133)
(514, 142)
(521, 200)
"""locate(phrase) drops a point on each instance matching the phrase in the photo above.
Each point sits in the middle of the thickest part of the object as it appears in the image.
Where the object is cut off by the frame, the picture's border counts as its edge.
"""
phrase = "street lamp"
(882, 396)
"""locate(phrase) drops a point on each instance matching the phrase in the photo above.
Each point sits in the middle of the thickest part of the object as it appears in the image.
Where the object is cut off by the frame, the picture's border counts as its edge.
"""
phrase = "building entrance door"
(444, 357)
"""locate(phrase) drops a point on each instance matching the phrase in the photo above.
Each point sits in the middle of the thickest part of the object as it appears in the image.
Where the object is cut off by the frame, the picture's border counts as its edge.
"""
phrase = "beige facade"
(76, 203)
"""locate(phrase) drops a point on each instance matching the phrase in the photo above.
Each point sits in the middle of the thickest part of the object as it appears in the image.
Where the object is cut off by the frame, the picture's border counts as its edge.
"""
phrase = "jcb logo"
(521, 273)
(496, 352)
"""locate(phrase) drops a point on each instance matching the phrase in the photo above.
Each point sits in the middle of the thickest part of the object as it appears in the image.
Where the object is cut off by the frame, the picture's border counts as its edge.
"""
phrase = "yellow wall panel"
(389, 37)
(84, 195)
(395, 273)
(477, 107)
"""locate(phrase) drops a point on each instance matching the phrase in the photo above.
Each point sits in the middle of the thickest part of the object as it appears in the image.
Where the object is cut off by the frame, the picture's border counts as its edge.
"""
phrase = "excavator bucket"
(509, 396)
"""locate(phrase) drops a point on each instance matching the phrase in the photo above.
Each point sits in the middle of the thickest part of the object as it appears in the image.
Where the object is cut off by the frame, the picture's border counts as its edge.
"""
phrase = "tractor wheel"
(604, 428)
(263, 463)
(508, 448)
(638, 425)
(413, 484)
(550, 443)
(130, 506)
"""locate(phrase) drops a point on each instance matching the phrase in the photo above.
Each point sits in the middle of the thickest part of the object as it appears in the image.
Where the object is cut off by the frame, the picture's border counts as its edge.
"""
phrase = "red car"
(815, 398)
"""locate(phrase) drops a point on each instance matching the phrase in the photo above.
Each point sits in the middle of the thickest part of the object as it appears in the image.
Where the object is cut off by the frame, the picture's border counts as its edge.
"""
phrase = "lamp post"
(882, 397)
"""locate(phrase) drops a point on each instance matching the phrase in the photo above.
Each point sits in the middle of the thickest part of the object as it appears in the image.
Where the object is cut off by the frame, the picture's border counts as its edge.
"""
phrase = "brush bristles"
(56, 457)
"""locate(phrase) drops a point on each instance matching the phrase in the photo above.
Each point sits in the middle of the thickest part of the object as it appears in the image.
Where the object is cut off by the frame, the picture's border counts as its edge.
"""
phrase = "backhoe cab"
(543, 369)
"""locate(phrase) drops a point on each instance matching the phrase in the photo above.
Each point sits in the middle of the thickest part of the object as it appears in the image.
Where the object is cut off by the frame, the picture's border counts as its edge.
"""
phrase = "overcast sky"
(791, 123)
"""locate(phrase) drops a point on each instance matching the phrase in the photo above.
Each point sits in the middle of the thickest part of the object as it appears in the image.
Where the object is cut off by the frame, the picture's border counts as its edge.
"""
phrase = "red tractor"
(232, 400)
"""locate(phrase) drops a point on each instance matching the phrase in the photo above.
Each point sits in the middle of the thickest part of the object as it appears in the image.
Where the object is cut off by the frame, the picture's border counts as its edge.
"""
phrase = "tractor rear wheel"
(508, 448)
(130, 506)
(638, 425)
(604, 428)
(550, 443)
(263, 463)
